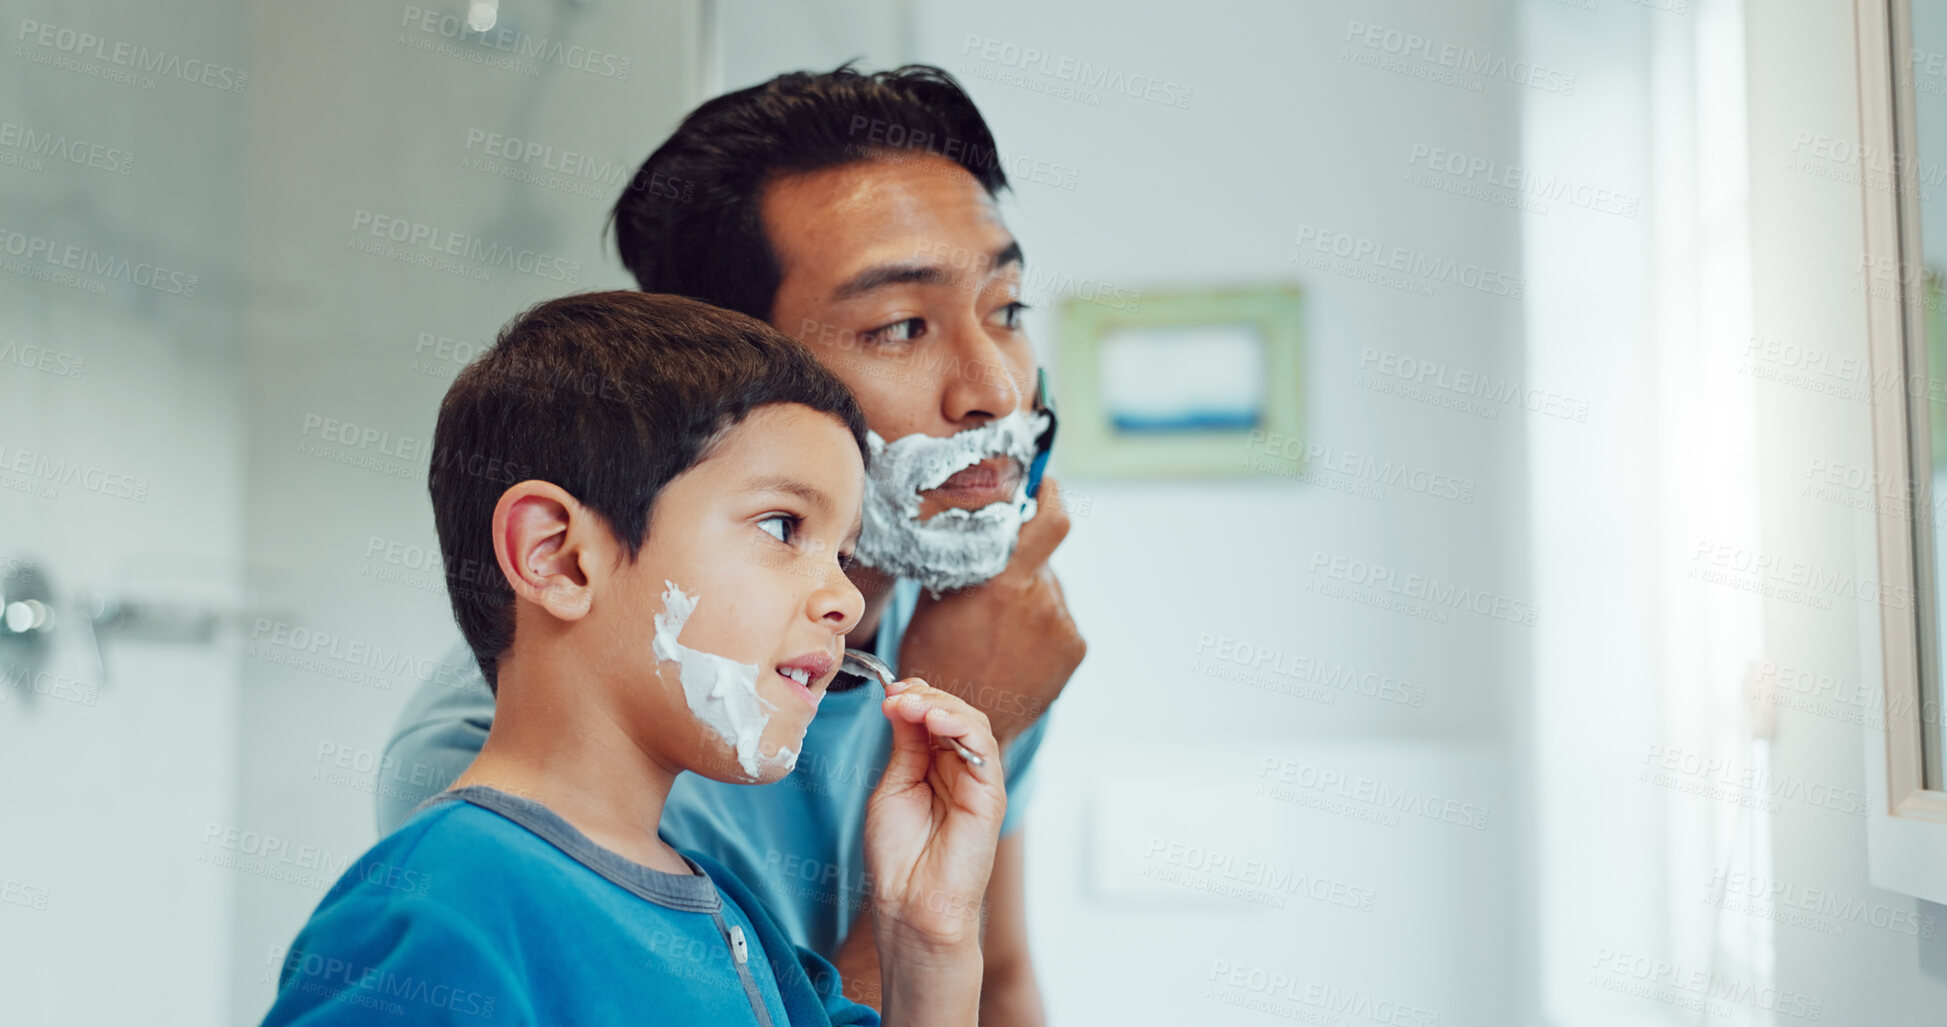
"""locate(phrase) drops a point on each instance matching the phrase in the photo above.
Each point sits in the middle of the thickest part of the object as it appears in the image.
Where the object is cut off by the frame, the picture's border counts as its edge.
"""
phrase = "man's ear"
(546, 543)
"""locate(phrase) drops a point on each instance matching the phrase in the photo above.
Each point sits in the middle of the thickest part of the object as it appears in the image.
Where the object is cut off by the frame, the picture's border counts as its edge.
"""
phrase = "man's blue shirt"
(487, 908)
(798, 844)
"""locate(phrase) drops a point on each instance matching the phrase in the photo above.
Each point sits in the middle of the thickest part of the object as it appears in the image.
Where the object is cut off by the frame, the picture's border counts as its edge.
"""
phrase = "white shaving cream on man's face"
(955, 548)
(721, 692)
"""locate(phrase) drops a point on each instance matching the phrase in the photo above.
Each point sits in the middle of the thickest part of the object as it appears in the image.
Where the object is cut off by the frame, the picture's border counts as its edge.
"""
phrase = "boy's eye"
(899, 331)
(845, 561)
(782, 527)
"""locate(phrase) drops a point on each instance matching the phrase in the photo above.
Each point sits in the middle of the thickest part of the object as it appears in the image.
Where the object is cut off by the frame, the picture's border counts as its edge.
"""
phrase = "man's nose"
(979, 385)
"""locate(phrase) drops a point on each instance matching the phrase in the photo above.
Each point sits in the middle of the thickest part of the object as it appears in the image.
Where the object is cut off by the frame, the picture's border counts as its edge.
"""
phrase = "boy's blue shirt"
(486, 908)
(797, 844)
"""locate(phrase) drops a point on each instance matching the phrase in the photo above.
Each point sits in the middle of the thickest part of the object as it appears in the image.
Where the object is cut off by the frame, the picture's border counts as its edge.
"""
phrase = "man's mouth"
(993, 480)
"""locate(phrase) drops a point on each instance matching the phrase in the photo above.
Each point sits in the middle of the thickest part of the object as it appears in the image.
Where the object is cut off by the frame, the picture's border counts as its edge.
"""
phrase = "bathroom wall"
(1201, 149)
(121, 449)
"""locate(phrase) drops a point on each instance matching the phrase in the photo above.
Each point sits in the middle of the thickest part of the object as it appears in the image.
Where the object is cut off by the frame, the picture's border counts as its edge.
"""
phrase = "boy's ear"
(545, 541)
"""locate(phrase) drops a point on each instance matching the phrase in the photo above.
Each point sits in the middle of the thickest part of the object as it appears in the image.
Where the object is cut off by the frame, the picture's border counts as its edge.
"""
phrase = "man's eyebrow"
(785, 483)
(908, 272)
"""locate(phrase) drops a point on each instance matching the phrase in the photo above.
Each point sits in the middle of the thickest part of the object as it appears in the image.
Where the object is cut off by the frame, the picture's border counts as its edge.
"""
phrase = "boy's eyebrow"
(879, 275)
(785, 483)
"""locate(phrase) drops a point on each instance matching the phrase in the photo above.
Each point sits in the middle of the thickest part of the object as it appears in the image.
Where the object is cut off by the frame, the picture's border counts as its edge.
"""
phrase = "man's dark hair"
(690, 221)
(609, 395)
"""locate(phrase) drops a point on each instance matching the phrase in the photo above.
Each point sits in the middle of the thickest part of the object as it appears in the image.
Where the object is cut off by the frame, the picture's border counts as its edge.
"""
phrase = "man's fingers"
(1043, 532)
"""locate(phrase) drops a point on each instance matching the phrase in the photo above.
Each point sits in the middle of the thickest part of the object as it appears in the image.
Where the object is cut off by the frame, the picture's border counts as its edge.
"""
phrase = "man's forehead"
(837, 222)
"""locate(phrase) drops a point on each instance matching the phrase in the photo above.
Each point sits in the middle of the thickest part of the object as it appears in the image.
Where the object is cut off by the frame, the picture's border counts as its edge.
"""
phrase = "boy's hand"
(1009, 645)
(931, 828)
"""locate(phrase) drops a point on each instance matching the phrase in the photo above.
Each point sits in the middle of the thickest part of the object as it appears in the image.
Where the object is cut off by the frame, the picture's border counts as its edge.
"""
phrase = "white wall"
(1281, 131)
(111, 785)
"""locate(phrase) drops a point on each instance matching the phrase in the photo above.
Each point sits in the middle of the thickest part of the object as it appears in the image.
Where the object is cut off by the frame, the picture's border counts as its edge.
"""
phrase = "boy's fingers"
(912, 755)
(949, 716)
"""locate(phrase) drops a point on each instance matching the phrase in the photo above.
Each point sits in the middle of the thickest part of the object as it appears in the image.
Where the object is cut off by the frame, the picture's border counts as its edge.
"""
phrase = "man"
(857, 213)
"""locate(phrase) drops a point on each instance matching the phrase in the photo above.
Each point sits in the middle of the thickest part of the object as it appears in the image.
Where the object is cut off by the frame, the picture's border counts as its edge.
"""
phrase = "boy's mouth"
(803, 673)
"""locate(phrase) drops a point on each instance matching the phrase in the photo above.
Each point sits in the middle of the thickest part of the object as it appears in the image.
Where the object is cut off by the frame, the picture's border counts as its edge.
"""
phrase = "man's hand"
(1007, 646)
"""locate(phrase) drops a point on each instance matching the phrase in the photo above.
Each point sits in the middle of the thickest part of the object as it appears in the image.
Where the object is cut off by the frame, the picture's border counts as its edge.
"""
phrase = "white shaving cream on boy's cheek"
(955, 548)
(720, 691)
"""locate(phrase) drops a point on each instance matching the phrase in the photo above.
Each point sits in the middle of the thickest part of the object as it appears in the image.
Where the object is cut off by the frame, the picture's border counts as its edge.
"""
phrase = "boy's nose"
(838, 604)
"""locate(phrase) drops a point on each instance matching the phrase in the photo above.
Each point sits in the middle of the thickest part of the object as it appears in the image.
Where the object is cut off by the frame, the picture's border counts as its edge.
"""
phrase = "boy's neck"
(555, 742)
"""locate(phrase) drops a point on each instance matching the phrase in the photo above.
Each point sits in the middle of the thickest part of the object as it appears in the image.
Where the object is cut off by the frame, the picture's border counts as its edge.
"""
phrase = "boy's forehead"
(782, 448)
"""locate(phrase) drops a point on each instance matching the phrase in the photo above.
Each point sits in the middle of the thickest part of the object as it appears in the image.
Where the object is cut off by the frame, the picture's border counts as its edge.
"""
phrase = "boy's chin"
(773, 764)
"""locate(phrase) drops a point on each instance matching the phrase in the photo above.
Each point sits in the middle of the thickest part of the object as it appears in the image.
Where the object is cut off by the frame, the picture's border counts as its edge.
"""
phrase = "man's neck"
(877, 590)
(555, 741)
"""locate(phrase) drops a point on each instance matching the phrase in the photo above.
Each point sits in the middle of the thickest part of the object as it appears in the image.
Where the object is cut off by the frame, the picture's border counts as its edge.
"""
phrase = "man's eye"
(1011, 315)
(782, 527)
(899, 331)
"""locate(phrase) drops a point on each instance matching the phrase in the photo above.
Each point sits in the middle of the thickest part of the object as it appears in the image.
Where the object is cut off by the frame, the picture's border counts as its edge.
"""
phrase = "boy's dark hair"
(609, 395)
(690, 223)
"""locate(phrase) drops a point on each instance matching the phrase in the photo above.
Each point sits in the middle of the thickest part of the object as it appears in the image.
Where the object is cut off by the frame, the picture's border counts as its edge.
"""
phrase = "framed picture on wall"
(1188, 384)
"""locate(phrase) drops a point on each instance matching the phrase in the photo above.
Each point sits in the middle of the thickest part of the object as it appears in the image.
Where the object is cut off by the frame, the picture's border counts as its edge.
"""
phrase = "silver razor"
(863, 664)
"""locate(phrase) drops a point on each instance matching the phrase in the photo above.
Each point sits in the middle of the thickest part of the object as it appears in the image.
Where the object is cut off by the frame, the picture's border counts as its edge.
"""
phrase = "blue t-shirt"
(486, 908)
(798, 844)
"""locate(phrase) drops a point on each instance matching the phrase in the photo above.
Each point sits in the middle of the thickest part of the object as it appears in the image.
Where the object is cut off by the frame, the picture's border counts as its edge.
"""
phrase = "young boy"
(645, 505)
